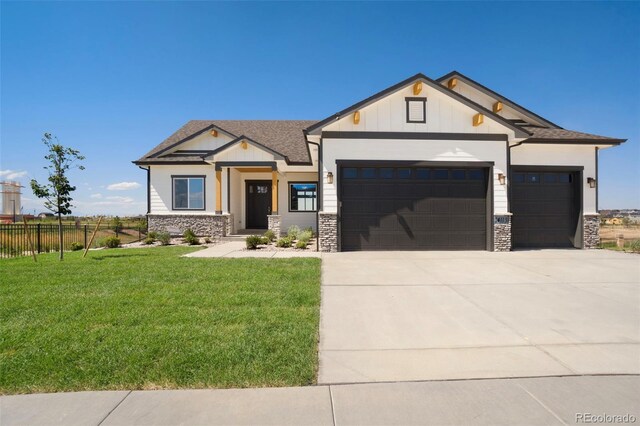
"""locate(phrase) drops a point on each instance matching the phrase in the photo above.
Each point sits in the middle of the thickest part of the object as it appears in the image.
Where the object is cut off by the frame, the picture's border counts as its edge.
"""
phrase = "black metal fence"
(14, 238)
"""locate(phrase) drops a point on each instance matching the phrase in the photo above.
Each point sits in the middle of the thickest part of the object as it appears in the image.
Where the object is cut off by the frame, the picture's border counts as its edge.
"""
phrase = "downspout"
(148, 169)
(509, 173)
(319, 194)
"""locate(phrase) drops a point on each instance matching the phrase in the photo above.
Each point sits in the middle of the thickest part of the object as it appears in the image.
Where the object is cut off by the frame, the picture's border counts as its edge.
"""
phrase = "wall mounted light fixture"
(501, 178)
(329, 178)
(592, 182)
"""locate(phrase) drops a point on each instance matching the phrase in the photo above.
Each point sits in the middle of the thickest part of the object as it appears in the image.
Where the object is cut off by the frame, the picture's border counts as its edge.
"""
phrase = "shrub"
(148, 241)
(305, 236)
(309, 230)
(635, 246)
(75, 246)
(293, 232)
(264, 240)
(270, 235)
(190, 237)
(111, 242)
(207, 240)
(253, 241)
(284, 242)
(164, 238)
(301, 244)
(153, 234)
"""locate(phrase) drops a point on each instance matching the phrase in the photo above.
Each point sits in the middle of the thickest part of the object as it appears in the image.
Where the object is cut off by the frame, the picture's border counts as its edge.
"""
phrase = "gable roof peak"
(497, 96)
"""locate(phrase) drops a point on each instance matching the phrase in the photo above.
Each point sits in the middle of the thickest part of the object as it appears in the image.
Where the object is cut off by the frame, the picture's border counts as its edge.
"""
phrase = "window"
(368, 173)
(302, 196)
(188, 192)
(416, 110)
(518, 177)
(404, 173)
(423, 173)
(386, 173)
(533, 178)
(349, 173)
(458, 174)
(440, 174)
(476, 174)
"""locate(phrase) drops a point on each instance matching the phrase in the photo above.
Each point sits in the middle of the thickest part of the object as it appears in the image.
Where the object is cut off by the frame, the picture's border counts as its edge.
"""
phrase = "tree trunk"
(60, 239)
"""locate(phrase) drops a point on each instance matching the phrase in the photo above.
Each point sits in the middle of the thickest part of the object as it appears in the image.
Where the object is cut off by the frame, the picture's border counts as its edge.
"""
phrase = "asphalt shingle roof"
(282, 136)
(552, 134)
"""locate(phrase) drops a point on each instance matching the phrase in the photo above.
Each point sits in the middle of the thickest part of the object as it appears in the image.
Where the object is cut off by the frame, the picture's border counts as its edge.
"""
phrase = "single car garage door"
(413, 208)
(545, 206)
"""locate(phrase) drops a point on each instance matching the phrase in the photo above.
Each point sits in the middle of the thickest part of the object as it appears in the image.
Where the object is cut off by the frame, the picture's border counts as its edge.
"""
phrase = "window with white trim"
(303, 196)
(188, 192)
(416, 110)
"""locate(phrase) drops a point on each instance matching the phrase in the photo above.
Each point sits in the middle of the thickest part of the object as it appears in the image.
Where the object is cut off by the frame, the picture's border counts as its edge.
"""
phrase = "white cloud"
(123, 186)
(13, 174)
(123, 200)
(98, 195)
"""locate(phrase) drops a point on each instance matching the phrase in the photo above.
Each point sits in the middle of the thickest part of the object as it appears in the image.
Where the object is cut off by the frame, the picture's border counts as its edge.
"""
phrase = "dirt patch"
(609, 233)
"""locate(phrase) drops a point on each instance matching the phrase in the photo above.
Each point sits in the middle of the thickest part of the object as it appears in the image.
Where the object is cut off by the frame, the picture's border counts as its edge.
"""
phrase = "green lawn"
(149, 319)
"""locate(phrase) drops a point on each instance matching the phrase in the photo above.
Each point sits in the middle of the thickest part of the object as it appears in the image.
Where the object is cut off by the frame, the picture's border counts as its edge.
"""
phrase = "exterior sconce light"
(592, 182)
(329, 178)
(501, 178)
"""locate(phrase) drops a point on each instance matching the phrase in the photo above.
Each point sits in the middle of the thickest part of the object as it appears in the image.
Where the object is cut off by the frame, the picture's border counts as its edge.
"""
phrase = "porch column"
(218, 191)
(274, 192)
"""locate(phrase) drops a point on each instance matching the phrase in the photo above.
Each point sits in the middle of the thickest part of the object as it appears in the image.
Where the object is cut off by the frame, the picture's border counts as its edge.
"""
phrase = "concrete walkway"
(235, 249)
(395, 316)
(533, 401)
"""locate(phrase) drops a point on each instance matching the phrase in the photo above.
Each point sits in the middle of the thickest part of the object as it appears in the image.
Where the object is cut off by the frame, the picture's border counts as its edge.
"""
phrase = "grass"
(630, 246)
(149, 319)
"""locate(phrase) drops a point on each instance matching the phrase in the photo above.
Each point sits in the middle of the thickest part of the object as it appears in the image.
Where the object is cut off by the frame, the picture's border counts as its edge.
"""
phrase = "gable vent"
(416, 110)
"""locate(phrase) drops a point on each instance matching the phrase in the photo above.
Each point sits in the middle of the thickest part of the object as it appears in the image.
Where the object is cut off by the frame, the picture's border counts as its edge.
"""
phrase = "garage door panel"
(412, 214)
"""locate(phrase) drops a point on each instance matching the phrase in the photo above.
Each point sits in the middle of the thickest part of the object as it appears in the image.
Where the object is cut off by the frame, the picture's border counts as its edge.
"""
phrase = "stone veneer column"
(502, 233)
(228, 224)
(274, 224)
(328, 232)
(591, 229)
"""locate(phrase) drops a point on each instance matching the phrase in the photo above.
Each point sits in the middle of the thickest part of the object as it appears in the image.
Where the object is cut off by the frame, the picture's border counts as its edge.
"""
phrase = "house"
(444, 164)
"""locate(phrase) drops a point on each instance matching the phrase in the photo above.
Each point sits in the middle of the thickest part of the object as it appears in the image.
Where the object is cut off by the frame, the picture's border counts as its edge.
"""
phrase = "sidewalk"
(531, 401)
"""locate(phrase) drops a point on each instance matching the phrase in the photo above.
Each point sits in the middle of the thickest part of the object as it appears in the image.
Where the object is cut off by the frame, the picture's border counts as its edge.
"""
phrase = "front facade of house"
(443, 164)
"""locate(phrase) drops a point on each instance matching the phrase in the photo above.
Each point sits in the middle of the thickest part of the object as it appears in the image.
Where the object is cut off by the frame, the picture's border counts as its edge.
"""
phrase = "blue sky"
(114, 79)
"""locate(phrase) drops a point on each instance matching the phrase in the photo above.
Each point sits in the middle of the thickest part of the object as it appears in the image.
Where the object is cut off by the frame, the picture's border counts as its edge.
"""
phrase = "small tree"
(626, 221)
(116, 224)
(57, 193)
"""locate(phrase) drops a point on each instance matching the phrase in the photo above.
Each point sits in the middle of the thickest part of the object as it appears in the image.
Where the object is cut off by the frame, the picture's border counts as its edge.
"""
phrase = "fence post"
(39, 249)
(85, 235)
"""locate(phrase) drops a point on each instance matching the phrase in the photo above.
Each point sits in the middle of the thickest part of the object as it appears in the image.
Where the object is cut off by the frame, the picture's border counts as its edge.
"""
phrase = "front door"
(258, 203)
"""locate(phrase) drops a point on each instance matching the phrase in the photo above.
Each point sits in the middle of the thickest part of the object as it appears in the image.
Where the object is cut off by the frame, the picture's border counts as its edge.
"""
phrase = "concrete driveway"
(396, 316)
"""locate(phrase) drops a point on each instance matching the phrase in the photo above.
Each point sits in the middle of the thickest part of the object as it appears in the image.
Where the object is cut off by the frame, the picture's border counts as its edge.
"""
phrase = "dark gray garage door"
(413, 208)
(545, 206)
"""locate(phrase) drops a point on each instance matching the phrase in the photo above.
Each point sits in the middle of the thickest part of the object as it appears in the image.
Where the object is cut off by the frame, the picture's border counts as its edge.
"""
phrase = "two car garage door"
(413, 208)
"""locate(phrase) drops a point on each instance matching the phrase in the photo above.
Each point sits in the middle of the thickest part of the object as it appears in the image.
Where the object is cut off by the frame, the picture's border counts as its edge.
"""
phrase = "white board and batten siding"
(161, 187)
(443, 115)
(562, 155)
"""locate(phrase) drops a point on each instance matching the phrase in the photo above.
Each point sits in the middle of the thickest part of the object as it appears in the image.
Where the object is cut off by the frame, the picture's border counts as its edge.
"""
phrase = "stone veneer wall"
(274, 224)
(203, 225)
(591, 226)
(502, 233)
(328, 232)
